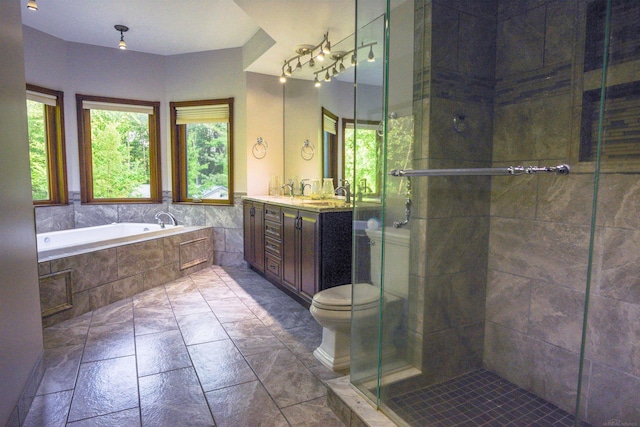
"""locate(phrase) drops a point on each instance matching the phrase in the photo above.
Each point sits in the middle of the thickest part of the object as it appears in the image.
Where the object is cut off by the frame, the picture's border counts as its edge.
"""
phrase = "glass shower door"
(488, 325)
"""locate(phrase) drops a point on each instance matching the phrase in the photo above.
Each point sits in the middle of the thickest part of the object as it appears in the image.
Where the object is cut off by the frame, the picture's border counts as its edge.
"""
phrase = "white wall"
(20, 322)
(265, 120)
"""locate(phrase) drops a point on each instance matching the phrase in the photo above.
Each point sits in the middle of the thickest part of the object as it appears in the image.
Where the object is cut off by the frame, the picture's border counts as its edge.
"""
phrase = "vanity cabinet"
(254, 253)
(272, 243)
(304, 250)
(301, 252)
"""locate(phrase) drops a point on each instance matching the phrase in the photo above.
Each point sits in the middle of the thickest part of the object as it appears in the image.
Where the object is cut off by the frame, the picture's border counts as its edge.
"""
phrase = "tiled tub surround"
(225, 220)
(72, 285)
(217, 347)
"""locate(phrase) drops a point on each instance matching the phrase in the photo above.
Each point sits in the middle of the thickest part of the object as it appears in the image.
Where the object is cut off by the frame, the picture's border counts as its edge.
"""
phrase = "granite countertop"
(305, 203)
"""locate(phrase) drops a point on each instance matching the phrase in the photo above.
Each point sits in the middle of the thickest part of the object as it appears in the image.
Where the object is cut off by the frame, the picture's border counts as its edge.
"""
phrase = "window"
(119, 148)
(368, 152)
(46, 146)
(329, 145)
(202, 148)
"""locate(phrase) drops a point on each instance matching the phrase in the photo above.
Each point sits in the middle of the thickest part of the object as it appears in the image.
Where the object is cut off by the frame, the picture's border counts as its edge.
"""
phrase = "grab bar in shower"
(511, 170)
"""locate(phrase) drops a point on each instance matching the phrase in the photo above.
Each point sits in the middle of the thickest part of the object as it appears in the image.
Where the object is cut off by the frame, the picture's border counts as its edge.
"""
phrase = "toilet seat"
(338, 298)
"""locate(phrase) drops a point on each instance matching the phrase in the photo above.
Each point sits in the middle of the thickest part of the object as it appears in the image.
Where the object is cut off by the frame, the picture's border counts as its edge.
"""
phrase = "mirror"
(313, 146)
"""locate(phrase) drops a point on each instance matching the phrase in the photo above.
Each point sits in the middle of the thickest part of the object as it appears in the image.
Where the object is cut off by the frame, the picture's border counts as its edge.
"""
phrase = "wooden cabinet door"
(309, 237)
(253, 223)
(290, 270)
(258, 236)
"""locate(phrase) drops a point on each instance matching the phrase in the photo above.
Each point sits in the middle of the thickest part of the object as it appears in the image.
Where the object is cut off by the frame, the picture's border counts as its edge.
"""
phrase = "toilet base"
(335, 350)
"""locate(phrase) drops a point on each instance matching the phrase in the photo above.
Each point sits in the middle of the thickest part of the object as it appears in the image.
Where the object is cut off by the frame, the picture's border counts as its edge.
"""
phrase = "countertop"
(305, 203)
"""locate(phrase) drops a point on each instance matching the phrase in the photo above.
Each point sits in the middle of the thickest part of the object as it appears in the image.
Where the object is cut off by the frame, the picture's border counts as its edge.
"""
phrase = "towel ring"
(260, 148)
(308, 150)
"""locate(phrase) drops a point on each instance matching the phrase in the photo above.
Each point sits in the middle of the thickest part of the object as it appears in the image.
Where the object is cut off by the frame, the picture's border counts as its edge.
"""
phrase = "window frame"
(85, 151)
(56, 152)
(179, 155)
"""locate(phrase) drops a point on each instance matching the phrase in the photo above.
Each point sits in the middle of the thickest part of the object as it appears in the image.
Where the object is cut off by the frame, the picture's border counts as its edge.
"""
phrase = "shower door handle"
(562, 169)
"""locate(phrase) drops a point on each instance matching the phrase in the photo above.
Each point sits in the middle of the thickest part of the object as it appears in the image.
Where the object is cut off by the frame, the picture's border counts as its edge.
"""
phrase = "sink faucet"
(364, 189)
(303, 185)
(346, 190)
(172, 218)
(290, 185)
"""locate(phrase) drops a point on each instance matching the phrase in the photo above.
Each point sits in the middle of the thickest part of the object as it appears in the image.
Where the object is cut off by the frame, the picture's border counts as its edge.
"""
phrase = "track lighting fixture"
(327, 48)
(32, 5)
(318, 53)
(123, 29)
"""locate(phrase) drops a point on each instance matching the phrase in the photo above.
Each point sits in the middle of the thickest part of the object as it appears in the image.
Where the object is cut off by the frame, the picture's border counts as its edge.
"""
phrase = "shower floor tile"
(479, 398)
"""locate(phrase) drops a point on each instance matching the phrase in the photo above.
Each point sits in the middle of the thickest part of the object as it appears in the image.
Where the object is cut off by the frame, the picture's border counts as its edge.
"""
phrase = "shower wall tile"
(508, 299)
(618, 204)
(509, 354)
(619, 277)
(513, 198)
(613, 334)
(445, 31)
(452, 352)
(486, 9)
(537, 129)
(550, 252)
(521, 42)
(474, 143)
(555, 206)
(477, 48)
(611, 401)
(457, 244)
(556, 315)
(138, 257)
(560, 27)
(554, 374)
(509, 8)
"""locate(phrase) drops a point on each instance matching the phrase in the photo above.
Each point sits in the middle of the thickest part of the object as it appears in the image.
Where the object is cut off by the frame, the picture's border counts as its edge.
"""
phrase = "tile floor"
(220, 347)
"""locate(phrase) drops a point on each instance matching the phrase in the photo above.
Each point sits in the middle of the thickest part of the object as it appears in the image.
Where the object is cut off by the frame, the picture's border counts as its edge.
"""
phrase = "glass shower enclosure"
(503, 227)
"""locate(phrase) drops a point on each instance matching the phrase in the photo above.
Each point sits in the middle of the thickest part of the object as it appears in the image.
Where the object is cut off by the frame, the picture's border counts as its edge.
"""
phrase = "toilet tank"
(396, 258)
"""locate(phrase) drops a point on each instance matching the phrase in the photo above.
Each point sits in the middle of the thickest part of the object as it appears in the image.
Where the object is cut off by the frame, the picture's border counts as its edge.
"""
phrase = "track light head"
(371, 57)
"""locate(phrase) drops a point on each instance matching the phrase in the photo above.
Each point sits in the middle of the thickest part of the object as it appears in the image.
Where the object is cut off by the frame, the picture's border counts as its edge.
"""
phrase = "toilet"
(332, 308)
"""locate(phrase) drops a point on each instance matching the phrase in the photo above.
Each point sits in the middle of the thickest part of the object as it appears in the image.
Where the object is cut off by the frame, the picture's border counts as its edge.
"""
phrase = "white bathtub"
(69, 241)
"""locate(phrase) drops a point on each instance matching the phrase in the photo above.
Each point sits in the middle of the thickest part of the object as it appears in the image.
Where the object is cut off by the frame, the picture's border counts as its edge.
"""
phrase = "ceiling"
(171, 27)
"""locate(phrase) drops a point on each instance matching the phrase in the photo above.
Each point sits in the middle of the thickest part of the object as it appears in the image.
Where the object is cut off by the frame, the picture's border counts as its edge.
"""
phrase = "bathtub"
(84, 269)
(56, 243)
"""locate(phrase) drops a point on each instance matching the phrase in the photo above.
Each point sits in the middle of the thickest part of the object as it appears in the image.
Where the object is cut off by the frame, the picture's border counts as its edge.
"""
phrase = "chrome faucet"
(290, 185)
(346, 190)
(363, 189)
(304, 185)
(172, 218)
